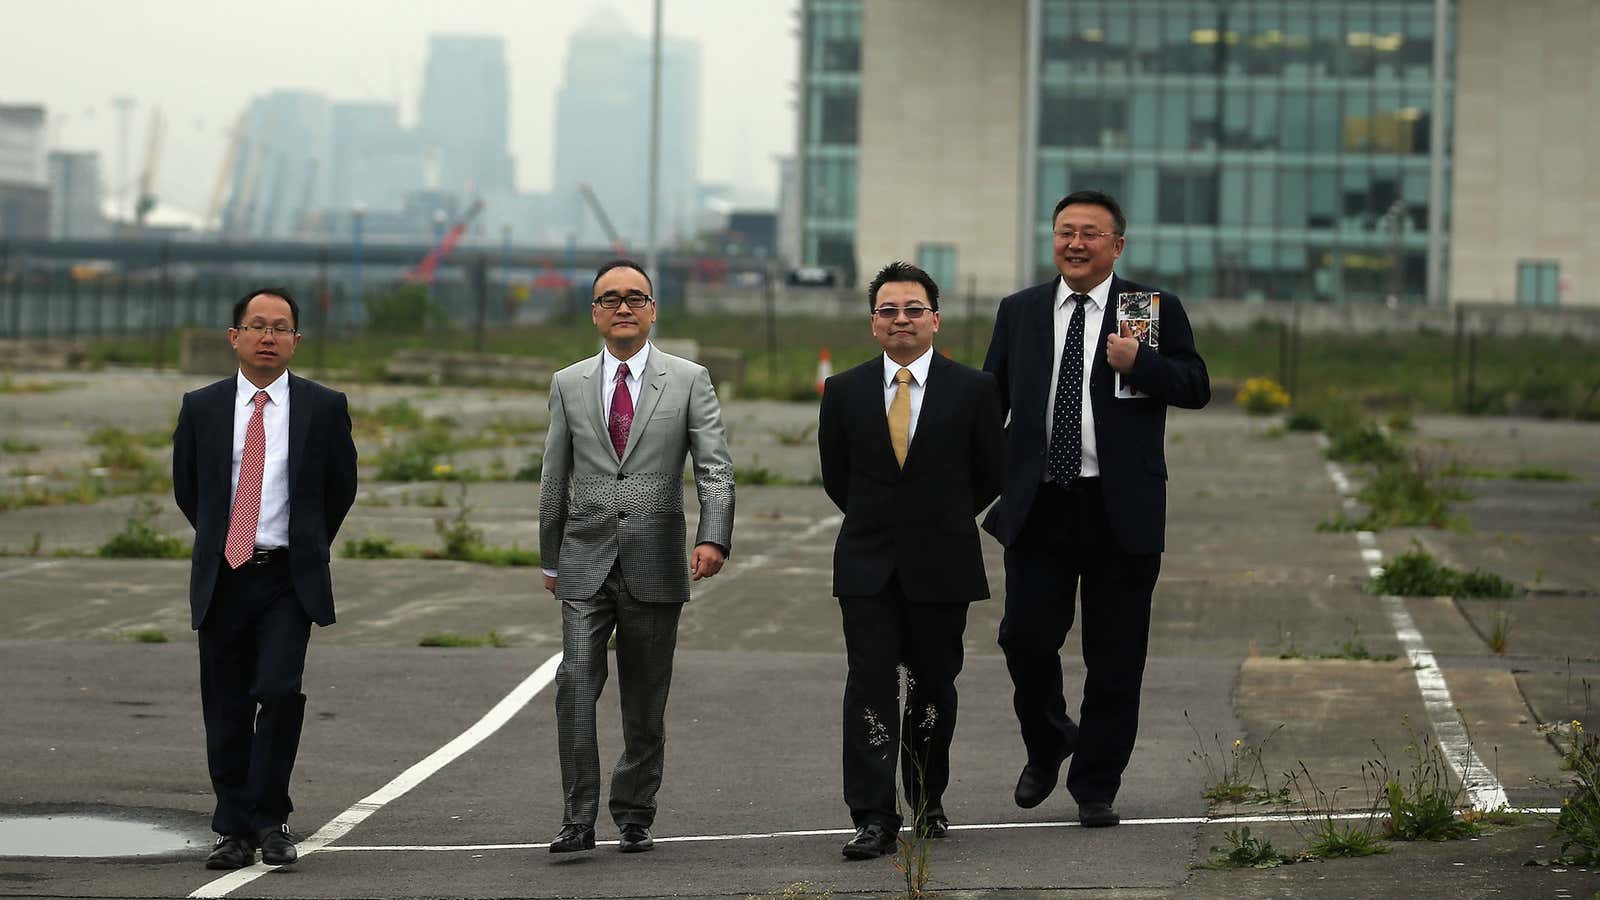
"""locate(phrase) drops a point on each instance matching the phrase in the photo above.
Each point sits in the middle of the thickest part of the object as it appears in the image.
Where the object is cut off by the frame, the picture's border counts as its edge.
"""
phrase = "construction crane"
(152, 163)
(219, 191)
(600, 215)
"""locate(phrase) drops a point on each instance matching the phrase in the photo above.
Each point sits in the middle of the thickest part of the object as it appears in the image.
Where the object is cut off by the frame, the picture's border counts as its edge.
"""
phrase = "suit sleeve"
(185, 478)
(339, 491)
(998, 360)
(833, 447)
(1176, 375)
(557, 467)
(988, 446)
(713, 465)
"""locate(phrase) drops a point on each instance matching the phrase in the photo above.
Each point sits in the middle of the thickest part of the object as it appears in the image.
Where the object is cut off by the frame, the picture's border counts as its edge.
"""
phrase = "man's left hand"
(705, 561)
(1121, 349)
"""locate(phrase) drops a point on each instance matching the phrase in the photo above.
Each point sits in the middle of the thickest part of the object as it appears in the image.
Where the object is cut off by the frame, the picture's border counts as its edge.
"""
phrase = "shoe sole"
(588, 846)
(642, 847)
(865, 853)
(220, 866)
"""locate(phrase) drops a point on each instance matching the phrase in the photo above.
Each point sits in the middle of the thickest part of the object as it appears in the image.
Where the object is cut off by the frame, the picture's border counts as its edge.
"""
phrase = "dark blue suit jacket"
(1129, 434)
(322, 486)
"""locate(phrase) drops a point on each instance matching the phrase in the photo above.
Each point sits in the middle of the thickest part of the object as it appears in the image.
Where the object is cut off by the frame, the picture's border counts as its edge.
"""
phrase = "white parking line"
(33, 567)
(341, 824)
(1454, 743)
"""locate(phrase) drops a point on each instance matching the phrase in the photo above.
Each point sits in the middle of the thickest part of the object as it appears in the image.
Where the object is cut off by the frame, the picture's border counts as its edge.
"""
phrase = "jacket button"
(620, 476)
(622, 515)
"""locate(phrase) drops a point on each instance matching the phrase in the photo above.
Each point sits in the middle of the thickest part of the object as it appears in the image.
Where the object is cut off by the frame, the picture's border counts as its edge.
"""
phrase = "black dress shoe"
(1097, 815)
(933, 827)
(233, 852)
(572, 838)
(277, 848)
(872, 840)
(635, 839)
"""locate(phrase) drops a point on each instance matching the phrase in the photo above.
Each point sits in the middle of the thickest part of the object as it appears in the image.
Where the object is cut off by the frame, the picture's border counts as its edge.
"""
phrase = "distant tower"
(466, 113)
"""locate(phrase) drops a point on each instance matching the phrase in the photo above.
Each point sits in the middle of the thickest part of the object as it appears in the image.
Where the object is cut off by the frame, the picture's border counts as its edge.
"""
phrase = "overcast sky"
(201, 61)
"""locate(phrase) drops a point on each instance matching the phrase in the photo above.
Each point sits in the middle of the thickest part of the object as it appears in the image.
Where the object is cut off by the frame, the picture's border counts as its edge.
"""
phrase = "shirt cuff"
(550, 572)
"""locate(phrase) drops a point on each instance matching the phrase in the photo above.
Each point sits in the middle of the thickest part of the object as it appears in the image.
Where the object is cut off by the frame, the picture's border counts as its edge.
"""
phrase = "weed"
(532, 470)
(1399, 422)
(1245, 851)
(1262, 396)
(1578, 824)
(146, 636)
(1500, 632)
(1541, 473)
(377, 547)
(1422, 804)
(1341, 524)
(451, 639)
(800, 890)
(139, 538)
(1231, 777)
(794, 436)
(1364, 444)
(1415, 491)
(756, 475)
(435, 500)
(9, 386)
(1303, 420)
(1329, 837)
(1274, 433)
(1415, 573)
(465, 543)
(14, 445)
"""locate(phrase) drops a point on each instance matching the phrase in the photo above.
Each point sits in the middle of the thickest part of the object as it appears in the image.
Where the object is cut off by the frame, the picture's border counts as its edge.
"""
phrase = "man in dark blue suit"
(1084, 506)
(264, 468)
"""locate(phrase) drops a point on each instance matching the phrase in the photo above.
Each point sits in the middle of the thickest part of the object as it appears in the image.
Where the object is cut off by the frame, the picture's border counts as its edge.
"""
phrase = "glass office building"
(1262, 149)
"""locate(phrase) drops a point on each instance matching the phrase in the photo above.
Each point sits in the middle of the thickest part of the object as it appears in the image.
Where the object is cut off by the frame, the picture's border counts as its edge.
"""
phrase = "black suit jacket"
(917, 520)
(322, 486)
(1128, 434)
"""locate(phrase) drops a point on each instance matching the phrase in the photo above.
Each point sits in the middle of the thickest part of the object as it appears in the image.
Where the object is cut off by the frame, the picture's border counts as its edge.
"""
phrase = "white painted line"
(1454, 743)
(33, 567)
(762, 560)
(341, 824)
(825, 832)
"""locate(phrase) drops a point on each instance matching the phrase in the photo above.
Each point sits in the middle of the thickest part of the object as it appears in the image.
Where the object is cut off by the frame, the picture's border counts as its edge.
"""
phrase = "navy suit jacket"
(1129, 434)
(322, 486)
(917, 520)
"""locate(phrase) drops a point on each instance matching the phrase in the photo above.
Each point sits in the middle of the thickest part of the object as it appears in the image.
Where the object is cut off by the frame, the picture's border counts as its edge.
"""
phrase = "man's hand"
(550, 583)
(705, 561)
(1121, 349)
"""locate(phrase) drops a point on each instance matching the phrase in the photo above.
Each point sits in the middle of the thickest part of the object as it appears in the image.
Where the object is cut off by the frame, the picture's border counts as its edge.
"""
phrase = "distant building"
(22, 144)
(465, 115)
(280, 174)
(24, 210)
(790, 216)
(376, 162)
(602, 132)
(77, 192)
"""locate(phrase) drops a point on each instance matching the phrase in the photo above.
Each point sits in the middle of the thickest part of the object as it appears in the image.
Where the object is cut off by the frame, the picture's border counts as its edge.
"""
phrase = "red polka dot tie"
(247, 499)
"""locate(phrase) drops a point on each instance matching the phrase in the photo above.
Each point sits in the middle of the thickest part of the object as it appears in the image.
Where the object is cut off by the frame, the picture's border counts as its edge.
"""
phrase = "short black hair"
(621, 263)
(1095, 198)
(902, 271)
(242, 302)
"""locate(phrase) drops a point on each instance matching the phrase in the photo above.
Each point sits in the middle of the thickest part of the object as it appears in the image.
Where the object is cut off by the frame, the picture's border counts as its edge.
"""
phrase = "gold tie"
(900, 416)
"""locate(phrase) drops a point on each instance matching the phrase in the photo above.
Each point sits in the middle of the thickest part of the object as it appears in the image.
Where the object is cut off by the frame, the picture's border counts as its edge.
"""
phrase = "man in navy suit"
(912, 450)
(264, 468)
(1084, 506)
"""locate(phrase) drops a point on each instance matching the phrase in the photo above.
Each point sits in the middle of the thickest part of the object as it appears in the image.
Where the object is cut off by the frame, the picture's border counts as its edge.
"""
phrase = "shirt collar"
(277, 391)
(635, 363)
(1098, 295)
(919, 368)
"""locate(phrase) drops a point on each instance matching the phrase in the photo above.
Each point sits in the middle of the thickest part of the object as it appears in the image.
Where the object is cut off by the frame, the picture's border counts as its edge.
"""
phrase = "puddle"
(65, 835)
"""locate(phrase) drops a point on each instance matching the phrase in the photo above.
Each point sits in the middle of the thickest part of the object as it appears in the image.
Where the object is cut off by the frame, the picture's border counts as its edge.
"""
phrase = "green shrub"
(1303, 420)
(1415, 573)
(139, 538)
(1366, 444)
(407, 308)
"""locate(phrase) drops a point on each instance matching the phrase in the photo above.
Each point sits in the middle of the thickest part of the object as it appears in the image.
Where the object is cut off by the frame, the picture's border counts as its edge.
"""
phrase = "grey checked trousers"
(647, 635)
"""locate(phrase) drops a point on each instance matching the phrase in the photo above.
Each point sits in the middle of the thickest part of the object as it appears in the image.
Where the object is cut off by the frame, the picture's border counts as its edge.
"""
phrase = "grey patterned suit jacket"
(595, 509)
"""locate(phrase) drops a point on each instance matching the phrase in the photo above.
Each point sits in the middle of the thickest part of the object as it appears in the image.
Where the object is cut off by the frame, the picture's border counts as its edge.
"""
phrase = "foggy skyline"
(202, 63)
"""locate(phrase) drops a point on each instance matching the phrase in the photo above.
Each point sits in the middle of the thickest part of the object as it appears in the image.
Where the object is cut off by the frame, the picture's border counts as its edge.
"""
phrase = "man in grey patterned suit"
(612, 535)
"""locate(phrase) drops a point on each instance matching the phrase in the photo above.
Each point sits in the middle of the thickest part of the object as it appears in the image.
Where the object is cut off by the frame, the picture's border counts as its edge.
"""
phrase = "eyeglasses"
(1069, 235)
(612, 301)
(259, 328)
(890, 313)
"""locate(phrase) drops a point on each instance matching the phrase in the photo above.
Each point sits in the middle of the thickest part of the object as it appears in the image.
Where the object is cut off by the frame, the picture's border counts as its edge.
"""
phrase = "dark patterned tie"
(621, 418)
(1066, 420)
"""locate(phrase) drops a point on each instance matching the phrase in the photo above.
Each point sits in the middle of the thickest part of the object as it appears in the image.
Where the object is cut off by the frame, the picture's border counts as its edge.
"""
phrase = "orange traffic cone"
(824, 369)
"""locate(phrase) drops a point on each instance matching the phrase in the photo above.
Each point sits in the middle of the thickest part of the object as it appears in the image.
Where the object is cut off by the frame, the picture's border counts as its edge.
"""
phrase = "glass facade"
(831, 86)
(1262, 149)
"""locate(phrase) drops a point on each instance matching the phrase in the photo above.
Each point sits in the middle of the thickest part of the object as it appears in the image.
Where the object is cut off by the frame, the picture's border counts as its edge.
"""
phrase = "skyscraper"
(280, 173)
(465, 113)
(602, 131)
(375, 161)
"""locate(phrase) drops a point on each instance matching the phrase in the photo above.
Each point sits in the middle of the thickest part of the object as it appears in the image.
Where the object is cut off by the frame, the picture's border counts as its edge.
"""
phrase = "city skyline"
(199, 63)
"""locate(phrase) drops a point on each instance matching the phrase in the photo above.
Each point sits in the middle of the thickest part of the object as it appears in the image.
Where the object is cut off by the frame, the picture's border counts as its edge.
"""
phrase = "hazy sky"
(201, 61)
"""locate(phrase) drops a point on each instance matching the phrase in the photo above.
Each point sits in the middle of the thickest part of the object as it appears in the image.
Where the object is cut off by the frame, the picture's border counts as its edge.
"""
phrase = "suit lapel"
(1102, 381)
(219, 440)
(1043, 321)
(594, 398)
(651, 387)
(299, 425)
(871, 400)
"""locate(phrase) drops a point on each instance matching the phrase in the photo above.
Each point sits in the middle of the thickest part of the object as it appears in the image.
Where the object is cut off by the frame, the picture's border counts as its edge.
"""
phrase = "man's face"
(1085, 263)
(265, 338)
(904, 337)
(625, 324)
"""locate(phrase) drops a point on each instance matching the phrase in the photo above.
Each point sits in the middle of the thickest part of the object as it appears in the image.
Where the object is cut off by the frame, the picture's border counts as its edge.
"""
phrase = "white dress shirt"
(609, 365)
(1094, 311)
(919, 386)
(272, 529)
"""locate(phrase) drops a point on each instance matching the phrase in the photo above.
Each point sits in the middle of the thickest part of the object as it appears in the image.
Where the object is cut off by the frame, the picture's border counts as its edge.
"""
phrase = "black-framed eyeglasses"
(260, 328)
(890, 313)
(612, 301)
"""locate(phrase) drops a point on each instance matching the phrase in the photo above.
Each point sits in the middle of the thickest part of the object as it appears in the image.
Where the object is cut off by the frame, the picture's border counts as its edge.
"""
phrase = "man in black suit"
(912, 450)
(1084, 507)
(264, 468)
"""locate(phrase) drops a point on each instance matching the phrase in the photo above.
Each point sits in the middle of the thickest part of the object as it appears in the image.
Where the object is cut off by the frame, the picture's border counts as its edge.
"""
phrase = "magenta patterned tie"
(621, 418)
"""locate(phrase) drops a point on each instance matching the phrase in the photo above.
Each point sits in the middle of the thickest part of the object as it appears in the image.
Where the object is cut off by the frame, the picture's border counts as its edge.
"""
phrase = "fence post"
(1472, 372)
(480, 293)
(162, 308)
(769, 297)
(1455, 361)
